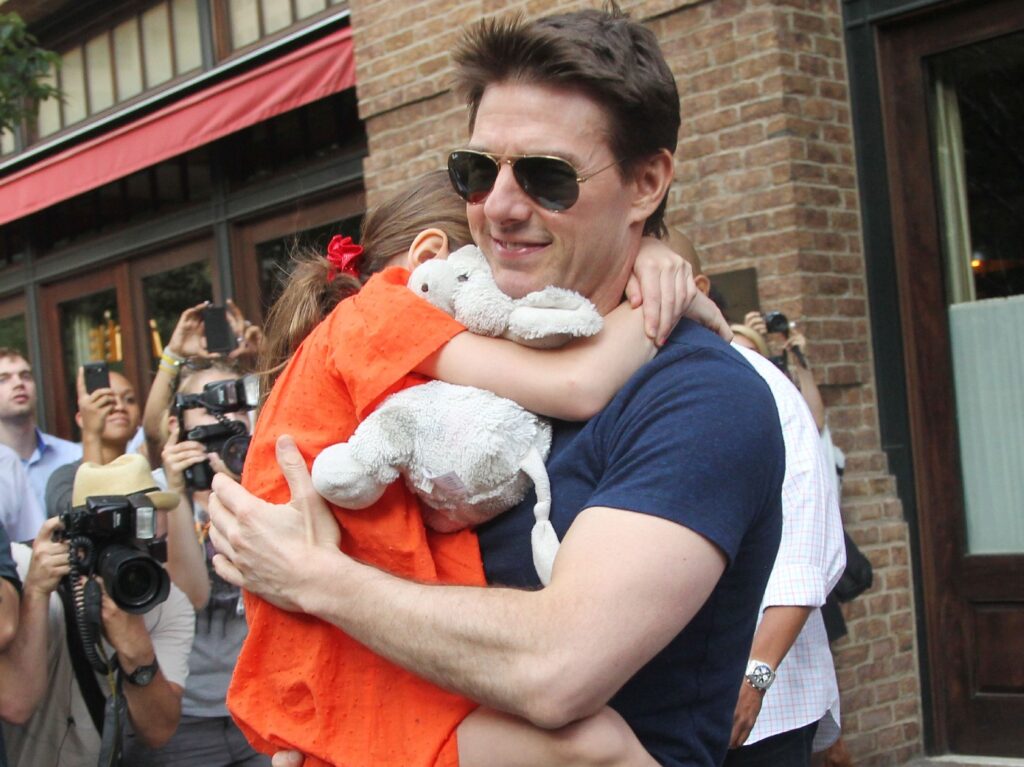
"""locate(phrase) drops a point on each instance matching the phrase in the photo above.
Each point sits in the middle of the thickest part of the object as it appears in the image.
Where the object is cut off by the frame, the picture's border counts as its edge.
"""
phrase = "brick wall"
(765, 178)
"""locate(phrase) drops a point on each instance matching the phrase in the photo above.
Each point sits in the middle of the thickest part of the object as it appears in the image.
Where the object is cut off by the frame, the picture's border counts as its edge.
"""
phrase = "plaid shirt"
(810, 560)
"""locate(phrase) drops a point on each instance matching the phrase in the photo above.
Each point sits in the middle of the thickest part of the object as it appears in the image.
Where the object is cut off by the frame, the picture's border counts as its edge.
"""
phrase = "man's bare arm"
(623, 586)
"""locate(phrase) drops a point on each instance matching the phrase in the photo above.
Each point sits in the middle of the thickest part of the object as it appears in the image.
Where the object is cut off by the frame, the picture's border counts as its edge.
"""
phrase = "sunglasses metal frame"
(511, 161)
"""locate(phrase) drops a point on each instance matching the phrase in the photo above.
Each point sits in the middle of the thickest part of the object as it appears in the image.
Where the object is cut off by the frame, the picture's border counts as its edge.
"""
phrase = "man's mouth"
(515, 248)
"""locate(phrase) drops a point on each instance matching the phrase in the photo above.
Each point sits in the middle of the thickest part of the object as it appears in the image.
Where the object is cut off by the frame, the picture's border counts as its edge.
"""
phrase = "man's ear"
(703, 283)
(652, 178)
(78, 419)
(430, 243)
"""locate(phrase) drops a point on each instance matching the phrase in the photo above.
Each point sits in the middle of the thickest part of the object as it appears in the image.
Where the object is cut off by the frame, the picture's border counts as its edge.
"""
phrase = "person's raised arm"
(186, 563)
(23, 675)
(186, 342)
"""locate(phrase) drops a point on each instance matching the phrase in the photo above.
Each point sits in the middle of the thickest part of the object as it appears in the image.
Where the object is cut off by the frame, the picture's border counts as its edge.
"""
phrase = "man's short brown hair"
(10, 351)
(615, 61)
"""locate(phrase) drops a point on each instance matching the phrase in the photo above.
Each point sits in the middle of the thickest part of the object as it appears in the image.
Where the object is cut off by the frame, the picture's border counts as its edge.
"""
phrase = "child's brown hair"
(388, 230)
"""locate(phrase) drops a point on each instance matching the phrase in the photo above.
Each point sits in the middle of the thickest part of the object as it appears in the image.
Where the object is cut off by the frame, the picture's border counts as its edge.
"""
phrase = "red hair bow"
(343, 256)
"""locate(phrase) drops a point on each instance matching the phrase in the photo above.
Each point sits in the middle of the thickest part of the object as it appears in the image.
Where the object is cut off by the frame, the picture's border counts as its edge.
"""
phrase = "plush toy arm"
(344, 481)
(552, 313)
(543, 539)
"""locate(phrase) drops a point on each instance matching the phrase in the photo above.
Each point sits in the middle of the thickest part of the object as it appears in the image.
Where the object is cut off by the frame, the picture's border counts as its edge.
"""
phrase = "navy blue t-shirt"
(693, 437)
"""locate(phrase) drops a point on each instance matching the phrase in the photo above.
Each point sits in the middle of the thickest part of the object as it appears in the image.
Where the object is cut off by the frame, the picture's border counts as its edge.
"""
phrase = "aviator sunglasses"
(550, 181)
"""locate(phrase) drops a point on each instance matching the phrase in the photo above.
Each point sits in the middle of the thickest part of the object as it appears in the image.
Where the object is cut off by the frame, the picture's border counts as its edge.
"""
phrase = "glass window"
(304, 8)
(6, 142)
(245, 22)
(128, 58)
(186, 35)
(90, 331)
(49, 111)
(72, 81)
(156, 45)
(99, 74)
(12, 333)
(277, 14)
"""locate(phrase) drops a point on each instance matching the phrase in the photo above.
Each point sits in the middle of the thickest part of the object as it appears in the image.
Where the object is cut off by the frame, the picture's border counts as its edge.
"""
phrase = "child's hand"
(662, 281)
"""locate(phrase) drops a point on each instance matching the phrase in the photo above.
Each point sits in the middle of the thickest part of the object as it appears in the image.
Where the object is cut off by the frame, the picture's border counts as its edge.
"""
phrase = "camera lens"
(234, 451)
(134, 580)
(199, 476)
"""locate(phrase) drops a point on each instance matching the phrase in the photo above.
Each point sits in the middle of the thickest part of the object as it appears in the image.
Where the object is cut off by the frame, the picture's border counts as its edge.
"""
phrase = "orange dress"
(301, 682)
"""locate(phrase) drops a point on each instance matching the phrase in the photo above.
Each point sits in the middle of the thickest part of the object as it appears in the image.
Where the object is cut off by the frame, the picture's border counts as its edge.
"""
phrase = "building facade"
(858, 160)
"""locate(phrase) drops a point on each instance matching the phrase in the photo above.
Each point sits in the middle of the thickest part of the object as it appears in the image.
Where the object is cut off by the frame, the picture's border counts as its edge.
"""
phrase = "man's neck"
(19, 434)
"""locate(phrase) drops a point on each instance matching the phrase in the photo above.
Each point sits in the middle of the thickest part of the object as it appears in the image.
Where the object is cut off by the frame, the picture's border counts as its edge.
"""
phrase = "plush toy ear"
(430, 243)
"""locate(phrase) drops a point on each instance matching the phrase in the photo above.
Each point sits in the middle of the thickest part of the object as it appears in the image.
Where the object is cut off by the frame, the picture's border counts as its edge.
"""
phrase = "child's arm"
(489, 738)
(571, 383)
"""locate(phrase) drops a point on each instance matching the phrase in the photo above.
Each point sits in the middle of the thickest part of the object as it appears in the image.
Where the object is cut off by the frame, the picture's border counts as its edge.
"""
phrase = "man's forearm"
(23, 665)
(9, 608)
(154, 709)
(777, 632)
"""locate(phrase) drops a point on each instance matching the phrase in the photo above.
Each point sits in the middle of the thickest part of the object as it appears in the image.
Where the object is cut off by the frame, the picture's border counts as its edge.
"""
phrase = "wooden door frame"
(946, 571)
(296, 218)
(114, 276)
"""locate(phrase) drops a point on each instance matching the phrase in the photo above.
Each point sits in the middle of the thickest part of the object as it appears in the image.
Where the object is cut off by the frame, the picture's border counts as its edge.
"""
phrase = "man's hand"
(127, 633)
(49, 561)
(748, 706)
(267, 548)
(249, 335)
(188, 339)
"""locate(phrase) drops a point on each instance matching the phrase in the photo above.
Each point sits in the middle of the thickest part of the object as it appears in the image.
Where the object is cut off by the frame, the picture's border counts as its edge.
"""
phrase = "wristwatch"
(143, 675)
(759, 675)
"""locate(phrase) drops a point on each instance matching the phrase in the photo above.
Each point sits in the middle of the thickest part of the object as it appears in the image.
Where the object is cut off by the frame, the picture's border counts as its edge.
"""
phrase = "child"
(338, 702)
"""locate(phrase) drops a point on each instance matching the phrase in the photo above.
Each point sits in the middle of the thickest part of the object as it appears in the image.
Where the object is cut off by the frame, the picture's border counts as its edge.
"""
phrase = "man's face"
(17, 388)
(591, 246)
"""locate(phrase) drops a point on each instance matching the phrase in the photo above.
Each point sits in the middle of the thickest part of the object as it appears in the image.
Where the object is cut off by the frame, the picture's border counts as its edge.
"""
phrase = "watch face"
(761, 676)
(142, 675)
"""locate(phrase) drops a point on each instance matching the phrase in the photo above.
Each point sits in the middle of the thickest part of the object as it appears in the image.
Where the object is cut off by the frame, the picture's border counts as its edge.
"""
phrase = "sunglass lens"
(548, 180)
(473, 175)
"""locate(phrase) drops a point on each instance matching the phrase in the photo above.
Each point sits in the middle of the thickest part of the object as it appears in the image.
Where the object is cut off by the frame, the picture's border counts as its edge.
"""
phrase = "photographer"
(188, 342)
(208, 435)
(108, 418)
(59, 711)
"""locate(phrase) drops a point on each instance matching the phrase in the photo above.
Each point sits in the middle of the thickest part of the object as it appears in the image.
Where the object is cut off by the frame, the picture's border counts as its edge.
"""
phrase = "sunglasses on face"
(551, 182)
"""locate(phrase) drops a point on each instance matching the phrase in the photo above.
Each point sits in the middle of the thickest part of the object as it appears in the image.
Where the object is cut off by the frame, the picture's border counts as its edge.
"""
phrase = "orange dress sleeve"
(300, 682)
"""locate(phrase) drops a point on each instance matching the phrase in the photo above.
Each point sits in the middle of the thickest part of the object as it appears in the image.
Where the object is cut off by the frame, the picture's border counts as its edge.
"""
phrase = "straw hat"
(125, 475)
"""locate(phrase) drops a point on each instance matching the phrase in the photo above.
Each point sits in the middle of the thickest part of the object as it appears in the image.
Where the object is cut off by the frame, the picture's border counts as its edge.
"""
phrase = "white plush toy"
(467, 453)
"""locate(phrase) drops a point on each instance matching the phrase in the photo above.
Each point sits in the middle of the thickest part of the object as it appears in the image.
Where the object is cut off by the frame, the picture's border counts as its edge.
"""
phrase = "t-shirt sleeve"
(388, 331)
(701, 447)
(172, 628)
(7, 569)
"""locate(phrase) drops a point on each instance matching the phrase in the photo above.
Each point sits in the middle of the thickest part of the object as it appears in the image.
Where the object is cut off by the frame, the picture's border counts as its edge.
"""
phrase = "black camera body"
(777, 322)
(228, 438)
(114, 537)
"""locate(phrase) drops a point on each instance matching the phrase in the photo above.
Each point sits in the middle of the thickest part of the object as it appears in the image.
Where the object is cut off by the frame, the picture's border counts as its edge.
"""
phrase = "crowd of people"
(695, 508)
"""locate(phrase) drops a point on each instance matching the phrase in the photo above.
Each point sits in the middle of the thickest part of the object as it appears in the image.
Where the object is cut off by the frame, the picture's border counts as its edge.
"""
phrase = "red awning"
(317, 70)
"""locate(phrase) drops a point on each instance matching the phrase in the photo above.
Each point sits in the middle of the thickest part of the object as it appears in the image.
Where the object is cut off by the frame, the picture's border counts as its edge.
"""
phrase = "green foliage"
(22, 65)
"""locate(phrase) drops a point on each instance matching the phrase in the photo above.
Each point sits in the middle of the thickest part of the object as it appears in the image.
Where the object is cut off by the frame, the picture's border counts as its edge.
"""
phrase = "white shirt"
(810, 560)
(20, 510)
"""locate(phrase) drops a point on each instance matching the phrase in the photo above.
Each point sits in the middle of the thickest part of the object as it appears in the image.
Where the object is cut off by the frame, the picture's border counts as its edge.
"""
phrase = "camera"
(114, 537)
(227, 438)
(230, 440)
(777, 322)
(223, 396)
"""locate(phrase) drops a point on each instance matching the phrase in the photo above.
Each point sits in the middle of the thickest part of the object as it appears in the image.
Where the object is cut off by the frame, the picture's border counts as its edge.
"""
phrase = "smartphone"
(97, 376)
(220, 338)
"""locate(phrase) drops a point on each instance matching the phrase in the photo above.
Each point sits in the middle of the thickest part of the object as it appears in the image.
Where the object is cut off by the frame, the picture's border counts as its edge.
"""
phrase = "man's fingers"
(226, 570)
(287, 759)
(295, 471)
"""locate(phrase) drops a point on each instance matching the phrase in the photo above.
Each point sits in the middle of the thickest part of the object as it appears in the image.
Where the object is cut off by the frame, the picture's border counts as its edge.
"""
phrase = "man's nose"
(507, 201)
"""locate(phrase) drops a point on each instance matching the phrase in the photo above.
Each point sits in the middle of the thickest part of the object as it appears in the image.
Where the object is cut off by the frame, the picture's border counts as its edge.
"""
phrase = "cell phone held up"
(220, 338)
(96, 375)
